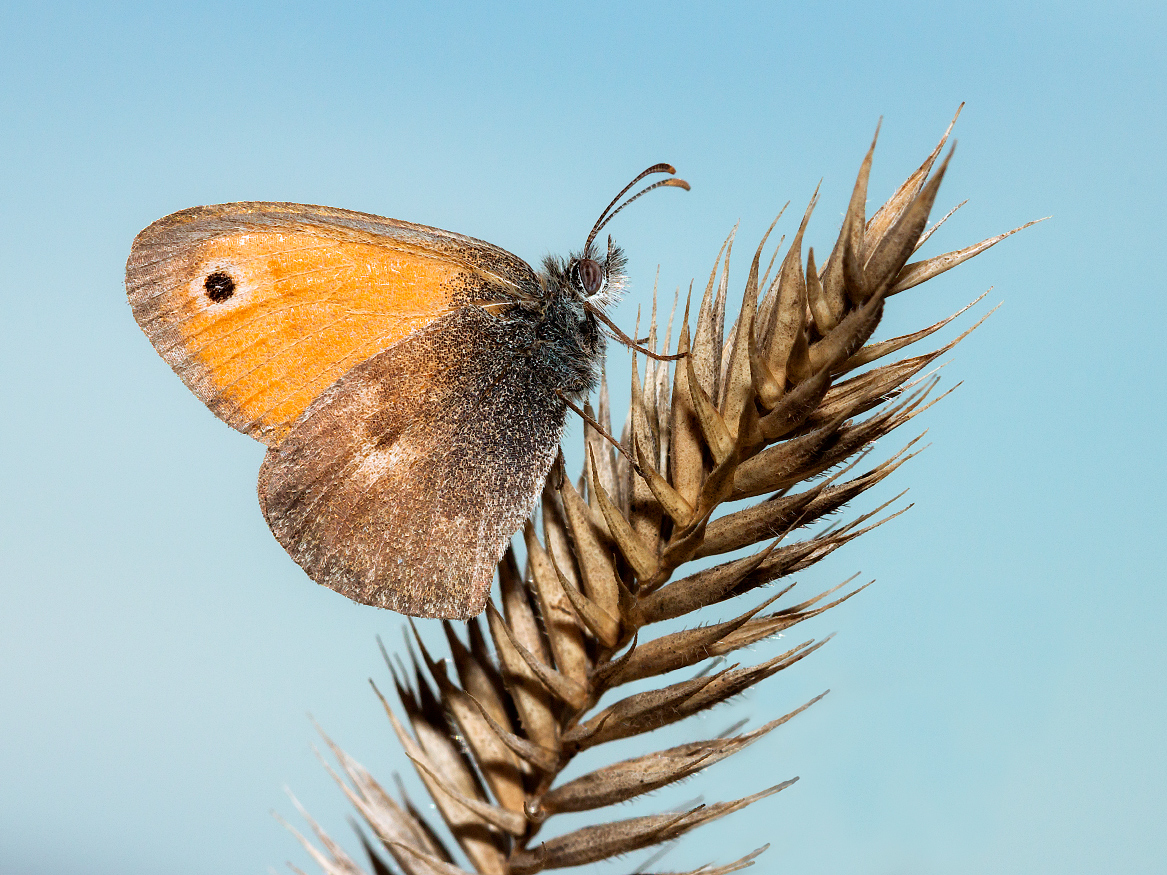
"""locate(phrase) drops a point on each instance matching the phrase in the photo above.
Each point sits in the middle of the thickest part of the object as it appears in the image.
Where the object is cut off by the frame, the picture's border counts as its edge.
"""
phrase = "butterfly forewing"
(259, 307)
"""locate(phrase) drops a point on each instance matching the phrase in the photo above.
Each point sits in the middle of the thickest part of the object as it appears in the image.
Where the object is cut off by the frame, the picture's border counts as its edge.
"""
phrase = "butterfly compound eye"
(591, 275)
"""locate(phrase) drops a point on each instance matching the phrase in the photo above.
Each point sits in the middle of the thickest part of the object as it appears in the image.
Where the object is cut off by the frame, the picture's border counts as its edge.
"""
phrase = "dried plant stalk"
(767, 408)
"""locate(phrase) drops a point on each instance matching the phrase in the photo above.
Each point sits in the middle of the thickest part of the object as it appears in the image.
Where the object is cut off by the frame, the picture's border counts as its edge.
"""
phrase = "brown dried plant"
(782, 408)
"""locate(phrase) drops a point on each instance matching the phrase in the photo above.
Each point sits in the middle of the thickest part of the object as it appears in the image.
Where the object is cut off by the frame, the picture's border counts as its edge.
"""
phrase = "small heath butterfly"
(410, 383)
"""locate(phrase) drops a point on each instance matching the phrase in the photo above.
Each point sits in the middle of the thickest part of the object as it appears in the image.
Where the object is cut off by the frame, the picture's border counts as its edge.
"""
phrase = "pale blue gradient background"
(998, 697)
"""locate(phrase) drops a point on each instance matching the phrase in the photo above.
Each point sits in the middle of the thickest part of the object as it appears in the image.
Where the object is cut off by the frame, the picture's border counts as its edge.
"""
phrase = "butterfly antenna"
(656, 168)
(608, 212)
(664, 183)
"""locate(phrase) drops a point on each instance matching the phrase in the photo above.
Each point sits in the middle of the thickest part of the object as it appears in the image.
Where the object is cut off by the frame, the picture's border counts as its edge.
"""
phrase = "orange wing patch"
(303, 313)
(260, 322)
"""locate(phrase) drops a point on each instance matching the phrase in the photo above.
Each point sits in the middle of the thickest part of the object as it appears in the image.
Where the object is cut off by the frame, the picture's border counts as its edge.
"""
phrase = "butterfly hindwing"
(259, 307)
(401, 484)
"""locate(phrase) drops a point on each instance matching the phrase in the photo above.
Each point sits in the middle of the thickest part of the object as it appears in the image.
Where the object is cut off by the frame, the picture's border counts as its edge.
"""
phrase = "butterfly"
(411, 384)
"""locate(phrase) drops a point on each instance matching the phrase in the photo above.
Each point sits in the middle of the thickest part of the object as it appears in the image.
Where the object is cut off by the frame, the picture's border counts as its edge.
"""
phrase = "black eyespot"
(589, 274)
(219, 286)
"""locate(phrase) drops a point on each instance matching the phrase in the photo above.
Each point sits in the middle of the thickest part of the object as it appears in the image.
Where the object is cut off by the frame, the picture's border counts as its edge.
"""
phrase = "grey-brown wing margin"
(168, 237)
(401, 485)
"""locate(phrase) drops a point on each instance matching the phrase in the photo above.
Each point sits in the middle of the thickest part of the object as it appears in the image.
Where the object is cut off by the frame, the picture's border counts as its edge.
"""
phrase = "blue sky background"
(997, 698)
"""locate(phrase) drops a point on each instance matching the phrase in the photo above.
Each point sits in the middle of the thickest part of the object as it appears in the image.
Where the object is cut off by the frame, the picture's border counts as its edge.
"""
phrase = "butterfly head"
(599, 281)
(593, 280)
(580, 289)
